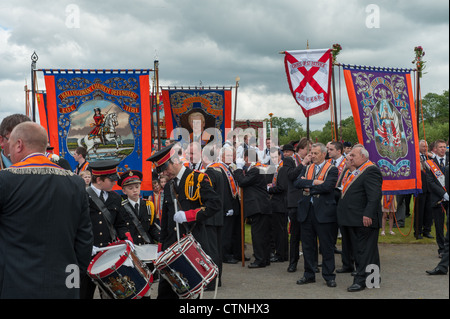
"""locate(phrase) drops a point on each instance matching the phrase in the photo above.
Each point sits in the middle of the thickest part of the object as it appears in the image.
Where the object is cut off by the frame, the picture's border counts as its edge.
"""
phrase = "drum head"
(108, 259)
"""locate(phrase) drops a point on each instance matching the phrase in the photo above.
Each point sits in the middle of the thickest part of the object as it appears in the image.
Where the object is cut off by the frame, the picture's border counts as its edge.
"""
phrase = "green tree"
(435, 107)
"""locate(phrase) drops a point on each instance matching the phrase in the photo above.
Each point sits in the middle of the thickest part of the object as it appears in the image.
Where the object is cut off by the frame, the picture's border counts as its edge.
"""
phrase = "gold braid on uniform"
(150, 206)
(189, 186)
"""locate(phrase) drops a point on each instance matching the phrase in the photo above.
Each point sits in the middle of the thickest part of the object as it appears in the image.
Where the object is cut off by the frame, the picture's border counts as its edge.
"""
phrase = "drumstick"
(110, 247)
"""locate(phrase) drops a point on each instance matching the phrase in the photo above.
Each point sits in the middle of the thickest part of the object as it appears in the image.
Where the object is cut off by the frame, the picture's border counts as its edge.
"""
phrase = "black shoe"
(344, 270)
(304, 280)
(355, 287)
(256, 265)
(292, 267)
(428, 235)
(436, 271)
(331, 283)
(230, 261)
(337, 251)
(275, 259)
(419, 237)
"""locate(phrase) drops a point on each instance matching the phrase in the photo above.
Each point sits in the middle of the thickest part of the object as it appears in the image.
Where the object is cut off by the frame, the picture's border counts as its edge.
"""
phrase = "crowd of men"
(301, 196)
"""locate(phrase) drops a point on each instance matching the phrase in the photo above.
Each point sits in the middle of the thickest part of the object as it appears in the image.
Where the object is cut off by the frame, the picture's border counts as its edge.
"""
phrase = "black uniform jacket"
(146, 218)
(322, 197)
(362, 198)
(209, 202)
(278, 192)
(45, 230)
(293, 171)
(215, 175)
(102, 237)
(255, 196)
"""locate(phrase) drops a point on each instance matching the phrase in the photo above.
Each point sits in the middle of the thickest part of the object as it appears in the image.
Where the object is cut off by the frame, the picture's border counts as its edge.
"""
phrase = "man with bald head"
(45, 229)
(359, 213)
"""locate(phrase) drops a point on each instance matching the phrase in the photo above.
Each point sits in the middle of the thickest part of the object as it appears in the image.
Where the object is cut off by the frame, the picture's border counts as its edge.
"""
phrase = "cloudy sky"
(214, 41)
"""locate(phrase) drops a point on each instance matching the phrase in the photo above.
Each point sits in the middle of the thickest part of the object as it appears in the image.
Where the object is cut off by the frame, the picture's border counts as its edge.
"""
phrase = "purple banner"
(383, 109)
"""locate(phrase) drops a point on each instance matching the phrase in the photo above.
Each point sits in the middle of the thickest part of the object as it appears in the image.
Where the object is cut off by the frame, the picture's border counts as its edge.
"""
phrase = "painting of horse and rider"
(102, 128)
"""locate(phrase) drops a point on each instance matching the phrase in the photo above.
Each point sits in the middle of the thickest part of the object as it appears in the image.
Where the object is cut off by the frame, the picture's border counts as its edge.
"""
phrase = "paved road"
(402, 277)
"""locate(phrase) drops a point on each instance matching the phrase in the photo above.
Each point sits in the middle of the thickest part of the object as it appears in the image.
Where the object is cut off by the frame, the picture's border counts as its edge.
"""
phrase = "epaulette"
(125, 201)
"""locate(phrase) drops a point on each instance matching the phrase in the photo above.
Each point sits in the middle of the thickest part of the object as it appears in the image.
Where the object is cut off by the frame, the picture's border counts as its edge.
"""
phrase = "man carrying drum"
(189, 200)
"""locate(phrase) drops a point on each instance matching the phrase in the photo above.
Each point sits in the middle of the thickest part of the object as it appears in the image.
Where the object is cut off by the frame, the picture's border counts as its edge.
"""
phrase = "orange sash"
(434, 168)
(349, 179)
(35, 160)
(321, 176)
(275, 176)
(233, 186)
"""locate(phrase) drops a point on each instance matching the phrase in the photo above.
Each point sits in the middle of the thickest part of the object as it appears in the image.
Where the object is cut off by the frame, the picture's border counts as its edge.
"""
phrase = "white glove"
(131, 244)
(230, 213)
(180, 217)
(445, 197)
(95, 250)
(240, 164)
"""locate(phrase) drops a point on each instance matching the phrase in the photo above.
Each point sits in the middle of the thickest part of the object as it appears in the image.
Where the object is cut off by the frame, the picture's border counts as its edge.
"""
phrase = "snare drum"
(186, 267)
(120, 273)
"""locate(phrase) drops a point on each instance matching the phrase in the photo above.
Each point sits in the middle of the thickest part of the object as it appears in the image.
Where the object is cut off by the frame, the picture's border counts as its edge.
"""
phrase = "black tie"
(333, 162)
(441, 163)
(136, 209)
(102, 196)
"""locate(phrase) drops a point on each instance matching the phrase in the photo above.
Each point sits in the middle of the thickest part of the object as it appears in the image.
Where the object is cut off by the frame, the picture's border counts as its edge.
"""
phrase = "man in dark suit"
(442, 267)
(231, 232)
(359, 213)
(194, 204)
(437, 193)
(108, 224)
(294, 164)
(45, 230)
(423, 218)
(278, 201)
(214, 224)
(256, 206)
(317, 215)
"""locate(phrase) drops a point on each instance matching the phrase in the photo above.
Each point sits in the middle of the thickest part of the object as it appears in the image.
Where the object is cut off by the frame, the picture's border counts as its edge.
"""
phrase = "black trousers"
(424, 217)
(348, 252)
(365, 243)
(260, 231)
(294, 241)
(231, 237)
(439, 213)
(279, 224)
(215, 241)
(311, 229)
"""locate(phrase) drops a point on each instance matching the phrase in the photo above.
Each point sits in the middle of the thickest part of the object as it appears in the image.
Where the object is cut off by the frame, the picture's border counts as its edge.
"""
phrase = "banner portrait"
(309, 76)
(383, 110)
(105, 111)
(212, 108)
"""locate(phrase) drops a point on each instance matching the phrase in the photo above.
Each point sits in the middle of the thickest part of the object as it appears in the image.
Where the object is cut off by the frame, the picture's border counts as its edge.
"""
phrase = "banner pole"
(156, 62)
(34, 58)
(235, 101)
(242, 228)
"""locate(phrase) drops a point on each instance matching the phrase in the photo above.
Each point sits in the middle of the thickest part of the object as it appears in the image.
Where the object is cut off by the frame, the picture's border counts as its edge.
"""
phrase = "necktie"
(316, 172)
(441, 164)
(175, 180)
(102, 196)
(136, 209)
(333, 162)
